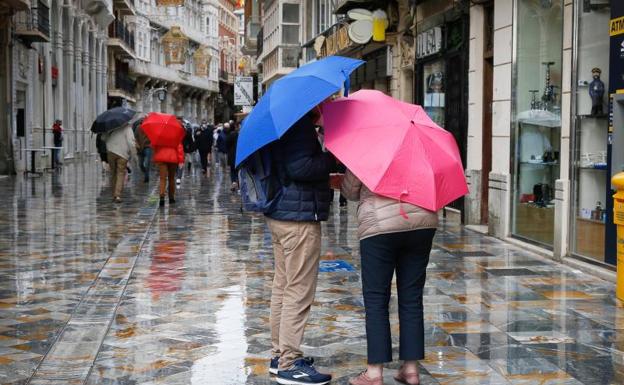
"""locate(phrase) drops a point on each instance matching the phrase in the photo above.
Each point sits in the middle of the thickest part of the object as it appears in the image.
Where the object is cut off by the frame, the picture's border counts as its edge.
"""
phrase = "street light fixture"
(161, 93)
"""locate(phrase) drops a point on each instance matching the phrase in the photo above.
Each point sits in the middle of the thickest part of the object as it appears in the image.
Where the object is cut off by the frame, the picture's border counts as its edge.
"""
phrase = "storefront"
(536, 119)
(590, 122)
(441, 61)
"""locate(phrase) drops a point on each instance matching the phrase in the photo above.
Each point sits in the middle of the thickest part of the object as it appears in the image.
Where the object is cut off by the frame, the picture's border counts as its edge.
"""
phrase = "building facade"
(229, 56)
(147, 81)
(55, 69)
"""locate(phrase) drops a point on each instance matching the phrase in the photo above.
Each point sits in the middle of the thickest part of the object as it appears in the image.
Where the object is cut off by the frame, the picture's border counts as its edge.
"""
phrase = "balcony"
(259, 42)
(226, 77)
(141, 68)
(125, 7)
(33, 25)
(18, 5)
(251, 33)
(121, 39)
(122, 86)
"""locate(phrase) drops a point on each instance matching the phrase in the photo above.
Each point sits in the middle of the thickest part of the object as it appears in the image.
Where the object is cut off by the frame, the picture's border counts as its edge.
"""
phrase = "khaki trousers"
(167, 172)
(297, 250)
(118, 173)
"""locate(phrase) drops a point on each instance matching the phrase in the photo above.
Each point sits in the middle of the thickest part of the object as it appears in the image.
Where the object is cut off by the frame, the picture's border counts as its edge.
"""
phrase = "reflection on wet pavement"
(97, 294)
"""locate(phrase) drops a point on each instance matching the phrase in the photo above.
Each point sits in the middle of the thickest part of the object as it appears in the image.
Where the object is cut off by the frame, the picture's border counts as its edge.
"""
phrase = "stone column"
(86, 112)
(77, 105)
(68, 78)
(57, 54)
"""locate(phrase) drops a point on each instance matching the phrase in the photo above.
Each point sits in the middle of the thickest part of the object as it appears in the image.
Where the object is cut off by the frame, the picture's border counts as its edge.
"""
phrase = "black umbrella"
(112, 119)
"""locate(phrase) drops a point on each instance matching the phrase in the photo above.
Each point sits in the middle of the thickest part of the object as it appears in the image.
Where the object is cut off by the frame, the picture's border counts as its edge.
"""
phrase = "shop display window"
(537, 118)
(589, 180)
(434, 91)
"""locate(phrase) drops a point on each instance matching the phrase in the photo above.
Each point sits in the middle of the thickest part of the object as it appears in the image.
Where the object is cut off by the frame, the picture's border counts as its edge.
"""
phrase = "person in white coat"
(120, 147)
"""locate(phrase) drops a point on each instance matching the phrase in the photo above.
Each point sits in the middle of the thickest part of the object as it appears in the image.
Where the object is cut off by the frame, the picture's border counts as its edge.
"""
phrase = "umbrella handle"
(403, 213)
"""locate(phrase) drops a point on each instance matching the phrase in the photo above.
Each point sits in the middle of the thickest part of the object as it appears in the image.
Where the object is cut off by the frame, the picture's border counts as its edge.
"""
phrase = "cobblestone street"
(97, 293)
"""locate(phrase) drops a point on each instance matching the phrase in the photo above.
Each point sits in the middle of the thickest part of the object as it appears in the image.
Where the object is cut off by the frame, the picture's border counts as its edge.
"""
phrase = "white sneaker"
(178, 181)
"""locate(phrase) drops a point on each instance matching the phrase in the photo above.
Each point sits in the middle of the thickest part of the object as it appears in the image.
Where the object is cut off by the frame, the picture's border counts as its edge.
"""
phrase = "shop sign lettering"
(616, 26)
(429, 42)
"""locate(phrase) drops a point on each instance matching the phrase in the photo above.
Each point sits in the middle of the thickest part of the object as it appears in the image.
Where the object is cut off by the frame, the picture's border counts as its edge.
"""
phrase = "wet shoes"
(364, 379)
(407, 378)
(273, 367)
(302, 373)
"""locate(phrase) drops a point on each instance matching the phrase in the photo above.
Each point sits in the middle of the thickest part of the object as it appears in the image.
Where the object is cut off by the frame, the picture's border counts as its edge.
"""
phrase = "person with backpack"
(288, 181)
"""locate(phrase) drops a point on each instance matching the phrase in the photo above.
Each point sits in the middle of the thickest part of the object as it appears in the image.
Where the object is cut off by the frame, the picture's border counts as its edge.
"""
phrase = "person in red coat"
(168, 159)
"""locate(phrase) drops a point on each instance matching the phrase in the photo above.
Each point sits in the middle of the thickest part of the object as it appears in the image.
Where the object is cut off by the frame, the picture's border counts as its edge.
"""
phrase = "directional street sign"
(243, 91)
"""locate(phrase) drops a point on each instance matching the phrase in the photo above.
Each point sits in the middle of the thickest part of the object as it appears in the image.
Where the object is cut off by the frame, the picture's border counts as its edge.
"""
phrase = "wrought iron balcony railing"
(33, 25)
(119, 30)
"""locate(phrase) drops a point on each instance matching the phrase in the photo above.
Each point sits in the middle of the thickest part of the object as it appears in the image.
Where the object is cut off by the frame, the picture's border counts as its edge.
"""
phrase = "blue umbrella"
(291, 97)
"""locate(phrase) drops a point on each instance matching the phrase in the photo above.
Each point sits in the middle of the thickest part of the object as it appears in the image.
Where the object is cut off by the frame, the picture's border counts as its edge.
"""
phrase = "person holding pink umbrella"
(402, 168)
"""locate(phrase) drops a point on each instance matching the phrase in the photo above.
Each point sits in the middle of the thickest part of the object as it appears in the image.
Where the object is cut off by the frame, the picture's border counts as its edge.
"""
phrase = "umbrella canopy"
(163, 129)
(112, 119)
(291, 97)
(395, 149)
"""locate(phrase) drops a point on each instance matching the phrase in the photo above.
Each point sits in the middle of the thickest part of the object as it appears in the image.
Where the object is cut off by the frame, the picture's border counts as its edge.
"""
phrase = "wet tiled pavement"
(91, 293)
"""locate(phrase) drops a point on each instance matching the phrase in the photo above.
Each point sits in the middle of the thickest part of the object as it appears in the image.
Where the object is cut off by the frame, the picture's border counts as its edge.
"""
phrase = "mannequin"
(596, 92)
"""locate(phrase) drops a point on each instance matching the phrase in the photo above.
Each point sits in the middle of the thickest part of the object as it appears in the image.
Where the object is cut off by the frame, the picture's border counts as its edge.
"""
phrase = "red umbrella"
(163, 129)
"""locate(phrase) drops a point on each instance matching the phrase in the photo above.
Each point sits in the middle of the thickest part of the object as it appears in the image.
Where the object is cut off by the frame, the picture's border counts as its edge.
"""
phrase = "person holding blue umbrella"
(283, 122)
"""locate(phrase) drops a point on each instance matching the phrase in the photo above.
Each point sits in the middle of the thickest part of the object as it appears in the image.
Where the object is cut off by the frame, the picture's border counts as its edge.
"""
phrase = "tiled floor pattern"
(195, 309)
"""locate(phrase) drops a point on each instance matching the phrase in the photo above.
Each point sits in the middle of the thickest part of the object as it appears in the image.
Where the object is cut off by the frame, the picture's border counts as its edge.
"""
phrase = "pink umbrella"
(395, 149)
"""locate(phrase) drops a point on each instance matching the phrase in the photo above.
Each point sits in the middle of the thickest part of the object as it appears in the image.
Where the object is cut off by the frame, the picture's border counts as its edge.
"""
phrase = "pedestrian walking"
(222, 145)
(145, 152)
(231, 139)
(391, 242)
(57, 132)
(189, 147)
(168, 159)
(204, 140)
(120, 146)
(166, 134)
(295, 226)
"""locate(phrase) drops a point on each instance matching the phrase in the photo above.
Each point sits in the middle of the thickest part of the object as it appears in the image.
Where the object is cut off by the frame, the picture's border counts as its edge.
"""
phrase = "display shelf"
(603, 116)
(551, 164)
(601, 168)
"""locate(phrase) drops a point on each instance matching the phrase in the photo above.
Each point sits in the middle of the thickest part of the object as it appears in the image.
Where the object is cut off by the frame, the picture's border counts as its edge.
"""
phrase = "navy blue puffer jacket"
(304, 170)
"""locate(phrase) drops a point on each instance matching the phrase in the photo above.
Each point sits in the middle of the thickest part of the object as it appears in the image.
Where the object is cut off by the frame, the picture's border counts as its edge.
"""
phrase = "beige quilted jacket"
(379, 215)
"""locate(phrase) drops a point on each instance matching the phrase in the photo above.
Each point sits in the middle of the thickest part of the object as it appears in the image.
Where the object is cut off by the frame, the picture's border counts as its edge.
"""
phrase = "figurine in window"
(596, 91)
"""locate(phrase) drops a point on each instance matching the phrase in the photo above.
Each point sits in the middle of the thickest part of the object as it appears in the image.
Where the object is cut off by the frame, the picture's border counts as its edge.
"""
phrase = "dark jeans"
(233, 173)
(407, 253)
(203, 158)
(146, 162)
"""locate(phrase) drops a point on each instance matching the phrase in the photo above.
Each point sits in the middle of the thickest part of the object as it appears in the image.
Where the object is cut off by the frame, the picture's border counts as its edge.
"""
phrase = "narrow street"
(93, 293)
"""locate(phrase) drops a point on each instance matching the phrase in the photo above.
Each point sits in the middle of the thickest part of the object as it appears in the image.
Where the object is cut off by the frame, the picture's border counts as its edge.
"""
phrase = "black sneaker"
(302, 373)
(161, 203)
(171, 201)
(273, 367)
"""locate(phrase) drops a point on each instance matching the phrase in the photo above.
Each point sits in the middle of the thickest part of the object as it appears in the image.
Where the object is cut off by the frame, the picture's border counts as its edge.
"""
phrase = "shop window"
(590, 134)
(434, 91)
(537, 118)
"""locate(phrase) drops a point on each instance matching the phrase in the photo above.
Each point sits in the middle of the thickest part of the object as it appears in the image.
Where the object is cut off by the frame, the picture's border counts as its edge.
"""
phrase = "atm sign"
(616, 26)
